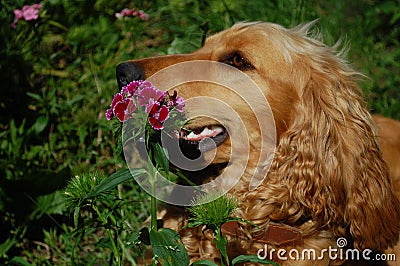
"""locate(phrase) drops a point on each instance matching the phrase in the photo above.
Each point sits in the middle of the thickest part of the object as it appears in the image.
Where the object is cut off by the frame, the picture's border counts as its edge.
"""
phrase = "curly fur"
(328, 177)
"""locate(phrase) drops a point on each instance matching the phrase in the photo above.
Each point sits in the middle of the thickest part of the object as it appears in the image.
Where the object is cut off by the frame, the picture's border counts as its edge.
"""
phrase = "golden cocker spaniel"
(327, 179)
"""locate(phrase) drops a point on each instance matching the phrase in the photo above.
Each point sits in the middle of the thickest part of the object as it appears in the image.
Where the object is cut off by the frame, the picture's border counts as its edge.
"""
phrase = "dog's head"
(327, 163)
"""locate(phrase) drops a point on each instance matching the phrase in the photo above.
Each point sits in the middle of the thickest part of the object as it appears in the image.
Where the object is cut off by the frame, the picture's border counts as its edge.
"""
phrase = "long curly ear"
(329, 156)
(360, 182)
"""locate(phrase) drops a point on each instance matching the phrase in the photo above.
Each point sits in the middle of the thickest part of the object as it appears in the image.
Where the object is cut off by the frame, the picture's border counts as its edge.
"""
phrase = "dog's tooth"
(217, 129)
(206, 131)
(192, 135)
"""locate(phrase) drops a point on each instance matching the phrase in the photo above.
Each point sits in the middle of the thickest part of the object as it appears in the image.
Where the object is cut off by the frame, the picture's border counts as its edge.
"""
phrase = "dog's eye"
(237, 61)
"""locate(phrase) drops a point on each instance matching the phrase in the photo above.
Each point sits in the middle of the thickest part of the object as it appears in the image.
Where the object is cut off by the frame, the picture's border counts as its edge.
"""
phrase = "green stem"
(153, 203)
(152, 178)
(221, 245)
(153, 200)
(110, 236)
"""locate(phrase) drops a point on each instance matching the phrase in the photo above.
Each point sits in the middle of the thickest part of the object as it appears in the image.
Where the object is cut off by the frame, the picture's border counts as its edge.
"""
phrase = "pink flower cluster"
(156, 103)
(132, 13)
(27, 13)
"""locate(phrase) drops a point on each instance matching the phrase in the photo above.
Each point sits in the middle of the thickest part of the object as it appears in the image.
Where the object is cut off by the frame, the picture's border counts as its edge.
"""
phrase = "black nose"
(127, 72)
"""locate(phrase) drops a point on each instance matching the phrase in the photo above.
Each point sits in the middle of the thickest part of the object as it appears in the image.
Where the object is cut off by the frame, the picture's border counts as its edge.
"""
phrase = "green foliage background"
(57, 76)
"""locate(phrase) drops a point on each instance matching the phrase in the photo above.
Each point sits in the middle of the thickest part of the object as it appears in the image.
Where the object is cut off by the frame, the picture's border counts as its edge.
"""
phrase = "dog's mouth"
(195, 140)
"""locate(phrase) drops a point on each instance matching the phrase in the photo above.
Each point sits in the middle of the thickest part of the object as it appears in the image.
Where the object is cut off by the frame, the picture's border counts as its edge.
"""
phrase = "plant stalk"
(153, 202)
(110, 236)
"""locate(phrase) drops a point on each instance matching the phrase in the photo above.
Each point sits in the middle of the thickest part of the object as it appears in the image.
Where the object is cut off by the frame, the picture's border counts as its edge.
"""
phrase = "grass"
(58, 76)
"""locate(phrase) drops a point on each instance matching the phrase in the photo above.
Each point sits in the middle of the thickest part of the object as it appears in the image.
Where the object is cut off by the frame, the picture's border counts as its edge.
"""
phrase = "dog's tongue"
(205, 133)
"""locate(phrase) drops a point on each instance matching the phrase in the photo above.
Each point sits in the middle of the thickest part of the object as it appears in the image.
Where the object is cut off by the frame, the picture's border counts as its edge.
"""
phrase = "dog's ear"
(330, 159)
(371, 208)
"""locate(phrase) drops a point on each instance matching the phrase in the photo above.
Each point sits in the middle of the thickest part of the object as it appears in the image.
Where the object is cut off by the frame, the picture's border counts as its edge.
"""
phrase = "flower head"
(176, 102)
(124, 109)
(142, 15)
(126, 12)
(27, 13)
(150, 95)
(142, 96)
(213, 212)
(80, 186)
(158, 117)
(132, 87)
(121, 107)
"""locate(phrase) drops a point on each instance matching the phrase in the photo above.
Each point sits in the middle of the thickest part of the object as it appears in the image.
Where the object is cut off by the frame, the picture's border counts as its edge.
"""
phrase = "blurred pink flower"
(27, 13)
(132, 13)
(142, 15)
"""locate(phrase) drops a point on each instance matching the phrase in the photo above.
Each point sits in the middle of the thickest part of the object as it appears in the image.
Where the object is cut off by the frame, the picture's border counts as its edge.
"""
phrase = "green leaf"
(49, 204)
(204, 263)
(77, 211)
(252, 258)
(168, 248)
(104, 243)
(114, 180)
(188, 44)
(220, 243)
(41, 124)
(35, 96)
(161, 157)
(6, 245)
(75, 100)
(126, 251)
(19, 261)
(132, 239)
(194, 224)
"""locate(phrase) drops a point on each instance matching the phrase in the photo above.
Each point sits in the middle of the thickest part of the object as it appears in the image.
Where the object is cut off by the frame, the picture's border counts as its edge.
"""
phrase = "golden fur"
(328, 177)
(389, 140)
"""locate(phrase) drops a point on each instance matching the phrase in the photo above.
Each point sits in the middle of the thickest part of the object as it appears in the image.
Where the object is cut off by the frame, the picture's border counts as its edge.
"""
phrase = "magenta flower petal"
(109, 114)
(150, 93)
(176, 101)
(117, 98)
(123, 110)
(30, 13)
(145, 83)
(131, 88)
(131, 108)
(159, 117)
(18, 14)
(162, 114)
(142, 15)
(179, 104)
(152, 107)
(157, 125)
(27, 13)
(126, 12)
(119, 111)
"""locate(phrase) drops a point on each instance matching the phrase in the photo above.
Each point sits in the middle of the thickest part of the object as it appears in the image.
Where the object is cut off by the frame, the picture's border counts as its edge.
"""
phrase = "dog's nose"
(127, 72)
